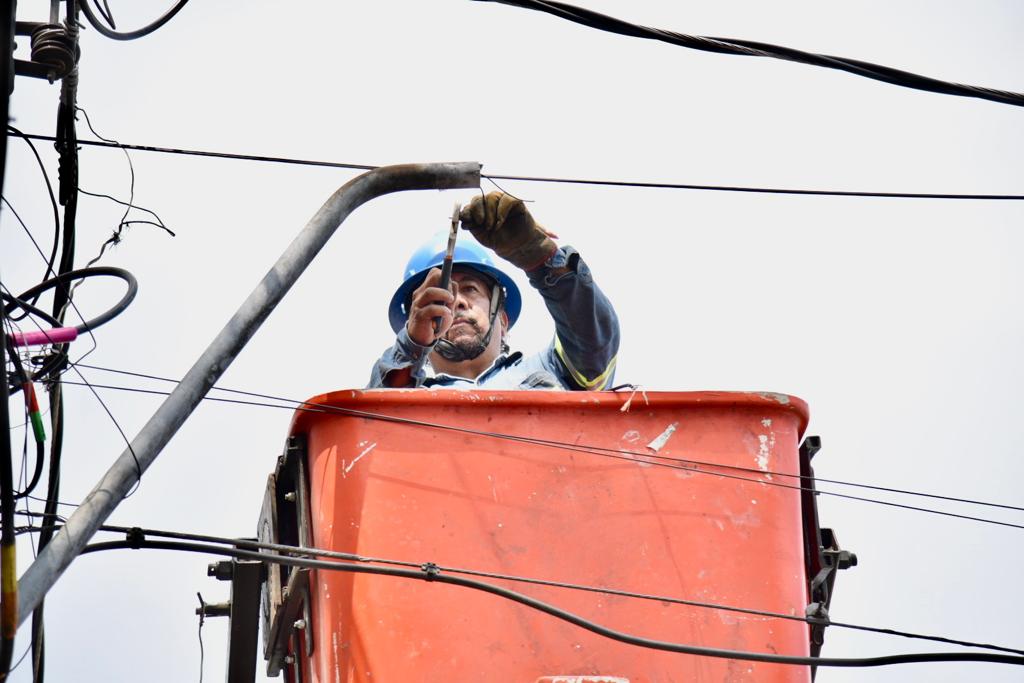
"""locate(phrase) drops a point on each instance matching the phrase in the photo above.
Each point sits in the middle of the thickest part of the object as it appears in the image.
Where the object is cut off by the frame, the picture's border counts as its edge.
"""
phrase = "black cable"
(50, 512)
(49, 264)
(104, 9)
(431, 573)
(14, 303)
(117, 425)
(54, 361)
(249, 544)
(53, 201)
(65, 142)
(757, 190)
(81, 274)
(591, 448)
(21, 659)
(159, 223)
(752, 48)
(202, 620)
(129, 35)
(37, 471)
(115, 238)
(57, 359)
(575, 181)
(752, 470)
(8, 562)
(626, 455)
(24, 378)
(60, 358)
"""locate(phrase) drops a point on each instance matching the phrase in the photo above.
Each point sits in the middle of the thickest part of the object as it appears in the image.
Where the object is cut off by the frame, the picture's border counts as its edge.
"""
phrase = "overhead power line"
(297, 551)
(654, 460)
(553, 179)
(751, 48)
(689, 461)
(430, 572)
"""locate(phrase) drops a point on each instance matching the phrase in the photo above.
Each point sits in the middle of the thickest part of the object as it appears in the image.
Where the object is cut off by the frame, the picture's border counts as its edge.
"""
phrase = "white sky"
(897, 320)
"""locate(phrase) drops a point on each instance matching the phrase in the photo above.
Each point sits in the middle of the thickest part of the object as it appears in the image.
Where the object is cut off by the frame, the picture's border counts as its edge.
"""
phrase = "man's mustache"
(469, 321)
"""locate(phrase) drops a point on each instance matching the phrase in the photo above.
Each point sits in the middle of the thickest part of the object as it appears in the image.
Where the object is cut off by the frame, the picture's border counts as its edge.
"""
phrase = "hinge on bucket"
(285, 602)
(822, 555)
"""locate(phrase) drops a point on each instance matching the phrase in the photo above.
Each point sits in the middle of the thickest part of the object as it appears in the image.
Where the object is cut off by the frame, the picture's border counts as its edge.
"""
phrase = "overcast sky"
(898, 321)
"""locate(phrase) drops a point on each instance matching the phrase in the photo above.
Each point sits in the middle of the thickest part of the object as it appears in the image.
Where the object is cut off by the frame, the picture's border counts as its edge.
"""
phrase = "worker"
(463, 330)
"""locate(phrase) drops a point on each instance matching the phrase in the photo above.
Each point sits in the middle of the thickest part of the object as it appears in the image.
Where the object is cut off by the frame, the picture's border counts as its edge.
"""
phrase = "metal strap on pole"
(169, 417)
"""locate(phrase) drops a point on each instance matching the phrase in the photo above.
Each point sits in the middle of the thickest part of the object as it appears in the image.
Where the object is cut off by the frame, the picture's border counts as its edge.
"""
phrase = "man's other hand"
(502, 223)
(430, 302)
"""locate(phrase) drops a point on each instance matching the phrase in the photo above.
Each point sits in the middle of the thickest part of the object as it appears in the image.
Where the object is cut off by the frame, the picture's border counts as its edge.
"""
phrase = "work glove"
(501, 223)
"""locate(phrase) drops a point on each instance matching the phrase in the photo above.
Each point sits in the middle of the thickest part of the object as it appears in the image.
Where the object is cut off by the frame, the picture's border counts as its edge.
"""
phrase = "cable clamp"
(431, 570)
(135, 537)
(817, 614)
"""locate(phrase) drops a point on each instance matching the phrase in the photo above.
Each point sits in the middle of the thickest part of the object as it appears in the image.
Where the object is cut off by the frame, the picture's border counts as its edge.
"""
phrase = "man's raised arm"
(586, 342)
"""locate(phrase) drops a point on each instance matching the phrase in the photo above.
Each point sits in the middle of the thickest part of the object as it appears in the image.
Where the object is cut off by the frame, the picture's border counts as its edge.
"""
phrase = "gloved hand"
(501, 223)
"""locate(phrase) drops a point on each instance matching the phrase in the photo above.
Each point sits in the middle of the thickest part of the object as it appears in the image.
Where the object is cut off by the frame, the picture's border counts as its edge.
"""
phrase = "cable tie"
(431, 570)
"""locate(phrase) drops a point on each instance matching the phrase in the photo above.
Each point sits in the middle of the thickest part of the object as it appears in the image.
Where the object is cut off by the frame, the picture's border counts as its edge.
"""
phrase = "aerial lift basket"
(667, 494)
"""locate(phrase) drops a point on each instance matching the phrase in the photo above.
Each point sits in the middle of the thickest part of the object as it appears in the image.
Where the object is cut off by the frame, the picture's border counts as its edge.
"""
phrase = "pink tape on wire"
(57, 335)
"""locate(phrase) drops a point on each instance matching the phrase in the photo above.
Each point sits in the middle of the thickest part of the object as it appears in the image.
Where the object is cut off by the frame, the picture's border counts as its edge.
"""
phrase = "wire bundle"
(751, 48)
(430, 572)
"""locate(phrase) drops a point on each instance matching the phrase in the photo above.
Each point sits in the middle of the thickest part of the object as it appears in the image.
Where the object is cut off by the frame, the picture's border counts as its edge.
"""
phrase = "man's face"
(472, 310)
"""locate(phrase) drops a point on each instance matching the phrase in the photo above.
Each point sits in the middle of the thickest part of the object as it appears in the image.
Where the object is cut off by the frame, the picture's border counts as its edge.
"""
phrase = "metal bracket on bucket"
(822, 554)
(285, 519)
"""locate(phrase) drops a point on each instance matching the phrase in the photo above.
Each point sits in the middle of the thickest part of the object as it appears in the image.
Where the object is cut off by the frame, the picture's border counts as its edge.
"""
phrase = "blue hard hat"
(468, 253)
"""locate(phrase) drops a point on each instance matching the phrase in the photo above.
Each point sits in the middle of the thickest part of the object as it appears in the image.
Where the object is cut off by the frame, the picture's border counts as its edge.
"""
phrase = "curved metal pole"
(173, 412)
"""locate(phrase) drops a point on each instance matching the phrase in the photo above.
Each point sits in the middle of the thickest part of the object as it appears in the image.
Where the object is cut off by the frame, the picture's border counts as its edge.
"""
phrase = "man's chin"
(464, 335)
(466, 342)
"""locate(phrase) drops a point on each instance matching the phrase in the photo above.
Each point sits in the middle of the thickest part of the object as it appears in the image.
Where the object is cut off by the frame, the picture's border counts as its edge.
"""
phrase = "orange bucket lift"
(662, 494)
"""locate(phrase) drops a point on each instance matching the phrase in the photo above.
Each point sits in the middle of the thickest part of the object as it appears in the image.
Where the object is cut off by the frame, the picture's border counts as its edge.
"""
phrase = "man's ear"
(504, 323)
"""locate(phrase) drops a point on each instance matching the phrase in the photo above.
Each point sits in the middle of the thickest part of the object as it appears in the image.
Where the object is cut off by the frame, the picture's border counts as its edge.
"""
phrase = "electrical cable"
(8, 547)
(116, 237)
(128, 35)
(117, 425)
(432, 573)
(53, 201)
(32, 408)
(81, 274)
(249, 544)
(52, 362)
(159, 223)
(66, 145)
(202, 620)
(28, 648)
(8, 558)
(752, 470)
(104, 9)
(58, 359)
(87, 327)
(574, 181)
(750, 48)
(625, 455)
